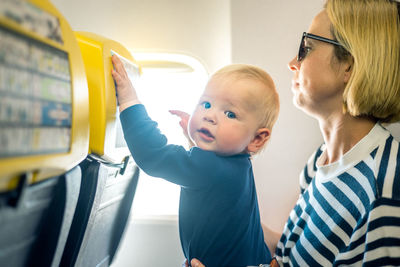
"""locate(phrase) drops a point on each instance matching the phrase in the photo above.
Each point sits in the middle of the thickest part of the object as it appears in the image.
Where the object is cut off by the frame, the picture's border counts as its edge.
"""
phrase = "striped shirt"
(348, 212)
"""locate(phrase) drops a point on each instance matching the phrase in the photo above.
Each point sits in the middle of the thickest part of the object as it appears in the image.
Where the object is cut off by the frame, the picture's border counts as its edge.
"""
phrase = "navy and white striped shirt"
(348, 212)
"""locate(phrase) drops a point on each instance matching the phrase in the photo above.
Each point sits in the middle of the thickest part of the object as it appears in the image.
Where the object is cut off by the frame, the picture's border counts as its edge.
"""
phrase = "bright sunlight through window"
(168, 81)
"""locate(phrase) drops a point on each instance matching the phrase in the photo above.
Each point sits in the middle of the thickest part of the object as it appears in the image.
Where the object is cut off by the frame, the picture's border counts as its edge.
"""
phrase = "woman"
(347, 76)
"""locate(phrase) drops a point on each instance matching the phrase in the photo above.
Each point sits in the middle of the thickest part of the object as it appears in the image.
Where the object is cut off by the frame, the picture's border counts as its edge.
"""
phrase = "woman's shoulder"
(387, 168)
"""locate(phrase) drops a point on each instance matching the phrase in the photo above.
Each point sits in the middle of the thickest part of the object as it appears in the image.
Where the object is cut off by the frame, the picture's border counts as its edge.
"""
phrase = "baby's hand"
(126, 94)
(183, 123)
(196, 263)
(193, 262)
(184, 119)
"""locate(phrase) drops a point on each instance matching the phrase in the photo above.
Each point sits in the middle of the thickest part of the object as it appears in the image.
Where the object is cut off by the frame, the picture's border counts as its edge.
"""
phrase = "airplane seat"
(42, 141)
(101, 215)
(109, 174)
(35, 220)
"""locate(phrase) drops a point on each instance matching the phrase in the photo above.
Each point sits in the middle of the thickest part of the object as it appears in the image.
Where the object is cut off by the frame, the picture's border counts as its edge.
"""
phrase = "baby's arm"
(126, 93)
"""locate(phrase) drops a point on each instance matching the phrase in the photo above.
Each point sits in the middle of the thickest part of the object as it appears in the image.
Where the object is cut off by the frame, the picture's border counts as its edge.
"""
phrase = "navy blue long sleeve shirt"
(219, 220)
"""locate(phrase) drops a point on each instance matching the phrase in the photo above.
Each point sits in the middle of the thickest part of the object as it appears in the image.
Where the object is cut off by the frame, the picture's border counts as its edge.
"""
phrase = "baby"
(219, 220)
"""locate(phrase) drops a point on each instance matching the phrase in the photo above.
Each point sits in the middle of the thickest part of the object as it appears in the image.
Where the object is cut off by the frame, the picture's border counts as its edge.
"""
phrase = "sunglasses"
(303, 50)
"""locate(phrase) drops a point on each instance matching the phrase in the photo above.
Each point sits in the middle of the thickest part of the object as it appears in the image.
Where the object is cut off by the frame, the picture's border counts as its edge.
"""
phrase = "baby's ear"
(261, 137)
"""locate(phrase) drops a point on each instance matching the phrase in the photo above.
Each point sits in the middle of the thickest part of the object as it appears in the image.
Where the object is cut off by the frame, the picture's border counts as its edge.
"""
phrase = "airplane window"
(168, 81)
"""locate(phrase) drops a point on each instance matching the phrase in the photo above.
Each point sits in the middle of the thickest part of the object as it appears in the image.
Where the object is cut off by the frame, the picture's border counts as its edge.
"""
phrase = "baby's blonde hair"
(370, 32)
(268, 102)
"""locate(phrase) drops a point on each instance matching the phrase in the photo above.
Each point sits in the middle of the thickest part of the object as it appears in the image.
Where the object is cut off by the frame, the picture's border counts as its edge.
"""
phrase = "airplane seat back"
(109, 174)
(42, 136)
(34, 229)
(101, 216)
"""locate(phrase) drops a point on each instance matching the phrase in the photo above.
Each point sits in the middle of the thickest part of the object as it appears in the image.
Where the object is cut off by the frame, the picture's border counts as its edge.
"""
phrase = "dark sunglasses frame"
(302, 51)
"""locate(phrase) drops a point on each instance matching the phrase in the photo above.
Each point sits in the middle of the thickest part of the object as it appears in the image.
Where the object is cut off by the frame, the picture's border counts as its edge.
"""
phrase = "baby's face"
(225, 119)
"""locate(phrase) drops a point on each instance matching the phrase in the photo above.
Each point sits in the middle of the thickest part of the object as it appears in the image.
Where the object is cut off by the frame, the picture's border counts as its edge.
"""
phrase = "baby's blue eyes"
(206, 105)
(230, 114)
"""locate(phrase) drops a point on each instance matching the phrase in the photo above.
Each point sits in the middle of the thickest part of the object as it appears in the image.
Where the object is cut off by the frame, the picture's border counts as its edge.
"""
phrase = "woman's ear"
(348, 69)
(261, 137)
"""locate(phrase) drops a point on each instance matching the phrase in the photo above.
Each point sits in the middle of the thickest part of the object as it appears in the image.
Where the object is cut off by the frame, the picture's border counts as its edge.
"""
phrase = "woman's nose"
(294, 65)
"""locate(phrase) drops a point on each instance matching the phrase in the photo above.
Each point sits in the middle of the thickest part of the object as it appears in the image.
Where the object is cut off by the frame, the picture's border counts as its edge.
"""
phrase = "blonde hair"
(370, 31)
(268, 102)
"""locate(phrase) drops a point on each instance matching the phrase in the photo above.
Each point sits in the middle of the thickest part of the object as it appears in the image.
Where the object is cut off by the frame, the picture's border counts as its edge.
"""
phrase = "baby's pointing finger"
(179, 113)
